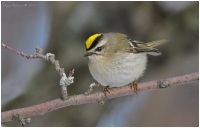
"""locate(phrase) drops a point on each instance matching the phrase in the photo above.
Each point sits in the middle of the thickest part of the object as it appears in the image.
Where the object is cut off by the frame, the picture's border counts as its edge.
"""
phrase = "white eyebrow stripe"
(101, 43)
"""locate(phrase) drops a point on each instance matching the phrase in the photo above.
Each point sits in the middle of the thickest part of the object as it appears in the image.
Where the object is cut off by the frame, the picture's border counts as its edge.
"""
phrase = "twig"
(49, 57)
(22, 121)
(37, 55)
(98, 96)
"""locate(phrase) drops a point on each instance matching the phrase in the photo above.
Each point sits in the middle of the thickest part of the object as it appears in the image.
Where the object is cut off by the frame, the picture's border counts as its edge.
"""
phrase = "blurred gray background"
(61, 28)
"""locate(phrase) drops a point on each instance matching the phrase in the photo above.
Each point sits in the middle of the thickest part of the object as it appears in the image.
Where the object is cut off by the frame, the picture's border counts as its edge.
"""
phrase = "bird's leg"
(134, 86)
(105, 89)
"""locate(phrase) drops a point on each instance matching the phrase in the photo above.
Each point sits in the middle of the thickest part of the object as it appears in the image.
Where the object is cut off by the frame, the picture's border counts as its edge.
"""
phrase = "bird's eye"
(98, 49)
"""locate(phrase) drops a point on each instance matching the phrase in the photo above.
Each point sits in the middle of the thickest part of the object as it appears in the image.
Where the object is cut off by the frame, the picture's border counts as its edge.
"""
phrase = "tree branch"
(49, 57)
(43, 108)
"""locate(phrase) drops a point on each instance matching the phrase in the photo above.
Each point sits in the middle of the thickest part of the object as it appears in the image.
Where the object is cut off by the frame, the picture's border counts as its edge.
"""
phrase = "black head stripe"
(95, 42)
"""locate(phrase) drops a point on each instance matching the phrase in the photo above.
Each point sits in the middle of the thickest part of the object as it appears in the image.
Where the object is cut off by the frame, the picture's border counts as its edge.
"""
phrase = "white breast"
(120, 71)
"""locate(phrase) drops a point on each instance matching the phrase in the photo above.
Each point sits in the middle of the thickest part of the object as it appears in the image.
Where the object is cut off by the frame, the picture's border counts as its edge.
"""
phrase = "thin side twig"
(50, 58)
(43, 108)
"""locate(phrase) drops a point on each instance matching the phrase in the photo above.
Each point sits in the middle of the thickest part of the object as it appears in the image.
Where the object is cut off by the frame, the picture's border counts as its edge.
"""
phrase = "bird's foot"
(105, 89)
(134, 86)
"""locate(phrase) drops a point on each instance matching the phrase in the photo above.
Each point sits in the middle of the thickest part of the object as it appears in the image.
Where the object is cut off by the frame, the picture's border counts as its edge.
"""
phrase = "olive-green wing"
(147, 47)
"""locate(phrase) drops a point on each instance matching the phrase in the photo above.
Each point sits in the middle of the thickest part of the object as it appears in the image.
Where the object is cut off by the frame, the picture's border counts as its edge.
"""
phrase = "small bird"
(116, 61)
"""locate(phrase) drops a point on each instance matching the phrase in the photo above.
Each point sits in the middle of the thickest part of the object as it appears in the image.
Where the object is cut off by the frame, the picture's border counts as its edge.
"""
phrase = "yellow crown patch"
(90, 40)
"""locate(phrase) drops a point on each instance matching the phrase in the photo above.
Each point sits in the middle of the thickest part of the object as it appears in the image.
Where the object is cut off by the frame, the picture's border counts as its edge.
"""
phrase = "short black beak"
(88, 54)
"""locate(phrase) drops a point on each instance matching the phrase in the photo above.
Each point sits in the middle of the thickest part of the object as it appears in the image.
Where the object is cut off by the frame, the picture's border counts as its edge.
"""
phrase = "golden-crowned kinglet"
(115, 60)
